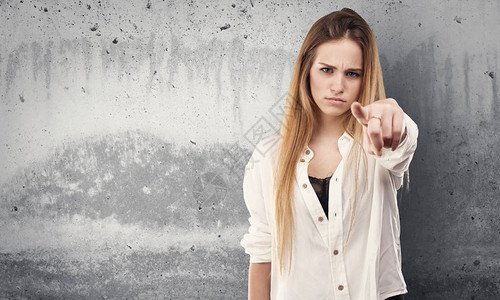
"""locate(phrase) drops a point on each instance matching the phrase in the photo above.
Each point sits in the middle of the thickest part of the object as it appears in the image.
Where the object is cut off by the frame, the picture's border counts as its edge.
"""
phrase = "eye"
(325, 69)
(353, 74)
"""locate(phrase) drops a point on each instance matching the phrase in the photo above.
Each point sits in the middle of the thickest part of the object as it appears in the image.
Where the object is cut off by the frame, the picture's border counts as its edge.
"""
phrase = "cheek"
(312, 79)
(356, 86)
(313, 83)
(316, 82)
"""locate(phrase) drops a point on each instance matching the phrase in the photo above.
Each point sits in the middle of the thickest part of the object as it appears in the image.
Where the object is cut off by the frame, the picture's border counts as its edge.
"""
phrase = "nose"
(337, 83)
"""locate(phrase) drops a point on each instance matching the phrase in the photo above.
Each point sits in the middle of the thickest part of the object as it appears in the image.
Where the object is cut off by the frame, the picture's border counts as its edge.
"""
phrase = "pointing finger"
(360, 113)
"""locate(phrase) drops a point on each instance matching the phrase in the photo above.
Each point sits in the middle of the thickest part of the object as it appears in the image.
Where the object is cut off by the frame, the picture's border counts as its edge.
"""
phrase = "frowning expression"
(335, 76)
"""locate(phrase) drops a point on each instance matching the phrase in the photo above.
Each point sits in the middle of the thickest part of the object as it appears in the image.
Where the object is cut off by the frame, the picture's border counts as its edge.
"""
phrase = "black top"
(321, 187)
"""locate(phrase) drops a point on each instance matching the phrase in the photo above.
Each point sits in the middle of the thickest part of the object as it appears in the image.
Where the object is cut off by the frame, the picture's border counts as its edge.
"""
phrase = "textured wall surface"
(126, 125)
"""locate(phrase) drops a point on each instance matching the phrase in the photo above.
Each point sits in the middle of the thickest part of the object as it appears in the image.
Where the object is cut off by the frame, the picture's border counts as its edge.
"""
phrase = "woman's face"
(336, 73)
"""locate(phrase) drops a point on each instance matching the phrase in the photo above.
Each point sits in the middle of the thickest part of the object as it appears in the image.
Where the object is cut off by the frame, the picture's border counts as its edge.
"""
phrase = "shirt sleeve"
(258, 241)
(398, 161)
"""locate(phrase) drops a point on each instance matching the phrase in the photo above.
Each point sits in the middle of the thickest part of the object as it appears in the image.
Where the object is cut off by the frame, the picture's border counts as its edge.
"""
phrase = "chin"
(333, 111)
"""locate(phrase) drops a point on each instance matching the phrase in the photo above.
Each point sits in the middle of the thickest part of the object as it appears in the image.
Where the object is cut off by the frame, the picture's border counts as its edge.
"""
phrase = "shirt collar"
(344, 142)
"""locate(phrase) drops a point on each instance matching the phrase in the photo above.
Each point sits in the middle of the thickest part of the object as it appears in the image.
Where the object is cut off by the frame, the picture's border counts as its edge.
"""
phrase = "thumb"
(360, 113)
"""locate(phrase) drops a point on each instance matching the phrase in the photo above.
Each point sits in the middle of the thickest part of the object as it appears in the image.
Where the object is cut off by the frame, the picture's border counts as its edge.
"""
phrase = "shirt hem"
(393, 293)
(256, 260)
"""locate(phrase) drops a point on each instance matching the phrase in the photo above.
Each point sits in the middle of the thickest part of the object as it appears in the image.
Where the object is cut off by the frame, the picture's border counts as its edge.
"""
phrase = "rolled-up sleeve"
(258, 241)
(398, 161)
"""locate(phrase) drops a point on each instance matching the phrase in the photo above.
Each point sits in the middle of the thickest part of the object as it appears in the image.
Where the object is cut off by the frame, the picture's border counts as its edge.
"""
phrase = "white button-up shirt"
(370, 267)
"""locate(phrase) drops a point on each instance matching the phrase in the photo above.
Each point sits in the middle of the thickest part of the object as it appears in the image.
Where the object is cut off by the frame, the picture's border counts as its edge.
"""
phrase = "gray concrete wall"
(126, 127)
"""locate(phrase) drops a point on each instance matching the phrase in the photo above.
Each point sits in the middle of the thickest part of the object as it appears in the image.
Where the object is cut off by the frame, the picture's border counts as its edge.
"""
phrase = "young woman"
(324, 221)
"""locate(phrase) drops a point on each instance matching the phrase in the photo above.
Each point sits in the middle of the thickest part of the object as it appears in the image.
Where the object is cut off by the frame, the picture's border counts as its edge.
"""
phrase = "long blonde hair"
(297, 124)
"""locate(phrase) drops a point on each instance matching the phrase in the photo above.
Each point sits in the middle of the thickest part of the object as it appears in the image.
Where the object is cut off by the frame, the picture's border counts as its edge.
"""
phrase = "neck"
(327, 130)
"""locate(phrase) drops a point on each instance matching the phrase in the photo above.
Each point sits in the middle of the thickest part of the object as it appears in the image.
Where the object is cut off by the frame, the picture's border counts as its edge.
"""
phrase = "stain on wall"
(126, 128)
(121, 215)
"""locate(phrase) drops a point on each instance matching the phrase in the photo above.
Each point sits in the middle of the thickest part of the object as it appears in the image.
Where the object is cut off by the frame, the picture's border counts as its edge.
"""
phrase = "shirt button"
(304, 185)
(302, 160)
(336, 178)
(320, 219)
(341, 287)
(307, 151)
(335, 252)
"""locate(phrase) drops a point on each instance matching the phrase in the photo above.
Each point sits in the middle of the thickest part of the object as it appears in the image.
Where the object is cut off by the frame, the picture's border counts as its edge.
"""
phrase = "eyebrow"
(335, 68)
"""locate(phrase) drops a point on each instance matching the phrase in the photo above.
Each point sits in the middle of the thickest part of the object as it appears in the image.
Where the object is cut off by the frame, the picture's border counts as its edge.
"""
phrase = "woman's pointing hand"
(382, 123)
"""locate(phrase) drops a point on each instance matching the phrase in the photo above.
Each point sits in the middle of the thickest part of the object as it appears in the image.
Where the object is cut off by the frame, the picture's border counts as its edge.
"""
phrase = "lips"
(336, 99)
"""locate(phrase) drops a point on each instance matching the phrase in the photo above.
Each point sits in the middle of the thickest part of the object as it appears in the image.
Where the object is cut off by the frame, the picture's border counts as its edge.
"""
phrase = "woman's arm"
(259, 281)
(258, 241)
(397, 160)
